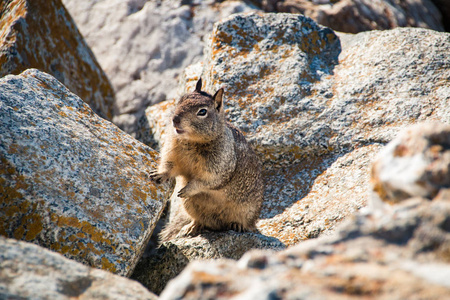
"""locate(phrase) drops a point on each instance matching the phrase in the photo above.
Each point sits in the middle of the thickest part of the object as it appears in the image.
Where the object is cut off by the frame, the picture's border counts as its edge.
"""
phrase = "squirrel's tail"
(172, 228)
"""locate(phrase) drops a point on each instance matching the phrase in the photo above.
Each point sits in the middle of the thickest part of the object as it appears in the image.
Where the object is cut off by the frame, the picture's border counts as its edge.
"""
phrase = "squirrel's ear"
(198, 87)
(218, 99)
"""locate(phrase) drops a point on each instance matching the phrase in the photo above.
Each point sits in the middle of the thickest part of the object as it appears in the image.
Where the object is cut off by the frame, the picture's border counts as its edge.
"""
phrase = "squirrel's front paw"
(182, 193)
(186, 192)
(158, 177)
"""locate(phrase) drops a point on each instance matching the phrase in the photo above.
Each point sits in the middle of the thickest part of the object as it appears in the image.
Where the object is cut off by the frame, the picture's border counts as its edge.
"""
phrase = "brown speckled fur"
(221, 174)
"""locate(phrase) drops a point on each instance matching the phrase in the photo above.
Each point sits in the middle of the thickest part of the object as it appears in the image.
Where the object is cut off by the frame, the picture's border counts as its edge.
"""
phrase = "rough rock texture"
(315, 113)
(400, 254)
(41, 34)
(166, 262)
(311, 198)
(384, 252)
(355, 16)
(286, 89)
(417, 162)
(71, 181)
(144, 45)
(28, 271)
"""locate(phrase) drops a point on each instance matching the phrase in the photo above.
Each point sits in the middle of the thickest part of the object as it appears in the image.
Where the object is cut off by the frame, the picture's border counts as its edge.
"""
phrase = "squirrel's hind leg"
(191, 229)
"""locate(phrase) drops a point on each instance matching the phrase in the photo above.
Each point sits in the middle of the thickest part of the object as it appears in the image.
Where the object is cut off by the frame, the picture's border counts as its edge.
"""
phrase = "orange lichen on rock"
(41, 34)
(79, 188)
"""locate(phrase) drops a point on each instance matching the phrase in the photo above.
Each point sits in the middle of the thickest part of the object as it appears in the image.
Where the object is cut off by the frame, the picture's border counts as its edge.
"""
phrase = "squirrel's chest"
(192, 160)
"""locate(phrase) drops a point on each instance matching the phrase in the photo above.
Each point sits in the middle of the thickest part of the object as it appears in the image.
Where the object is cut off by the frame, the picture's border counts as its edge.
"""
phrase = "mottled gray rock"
(354, 16)
(417, 162)
(315, 120)
(71, 181)
(166, 262)
(287, 90)
(268, 65)
(311, 198)
(399, 254)
(144, 45)
(41, 34)
(28, 271)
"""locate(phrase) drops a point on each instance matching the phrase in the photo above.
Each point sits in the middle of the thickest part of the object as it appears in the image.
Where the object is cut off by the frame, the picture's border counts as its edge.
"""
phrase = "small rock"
(28, 271)
(416, 163)
(173, 256)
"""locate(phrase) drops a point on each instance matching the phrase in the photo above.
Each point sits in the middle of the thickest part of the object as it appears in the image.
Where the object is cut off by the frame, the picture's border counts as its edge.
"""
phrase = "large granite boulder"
(41, 34)
(385, 252)
(71, 181)
(143, 45)
(317, 107)
(28, 271)
(355, 16)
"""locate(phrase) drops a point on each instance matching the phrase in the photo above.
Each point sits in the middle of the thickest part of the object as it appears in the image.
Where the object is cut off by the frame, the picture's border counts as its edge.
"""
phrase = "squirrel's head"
(198, 116)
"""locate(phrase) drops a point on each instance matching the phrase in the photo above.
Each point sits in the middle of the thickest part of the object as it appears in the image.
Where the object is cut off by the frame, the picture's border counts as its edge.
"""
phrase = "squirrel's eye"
(202, 112)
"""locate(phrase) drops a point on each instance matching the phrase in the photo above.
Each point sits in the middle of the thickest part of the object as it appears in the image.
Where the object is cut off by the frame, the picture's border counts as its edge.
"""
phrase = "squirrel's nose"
(176, 120)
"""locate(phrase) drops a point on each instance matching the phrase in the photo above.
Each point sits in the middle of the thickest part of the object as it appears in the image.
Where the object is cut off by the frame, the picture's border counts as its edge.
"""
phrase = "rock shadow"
(170, 258)
(289, 184)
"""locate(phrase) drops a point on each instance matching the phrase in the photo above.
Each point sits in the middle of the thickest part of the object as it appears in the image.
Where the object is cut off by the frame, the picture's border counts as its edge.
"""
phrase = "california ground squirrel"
(221, 174)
